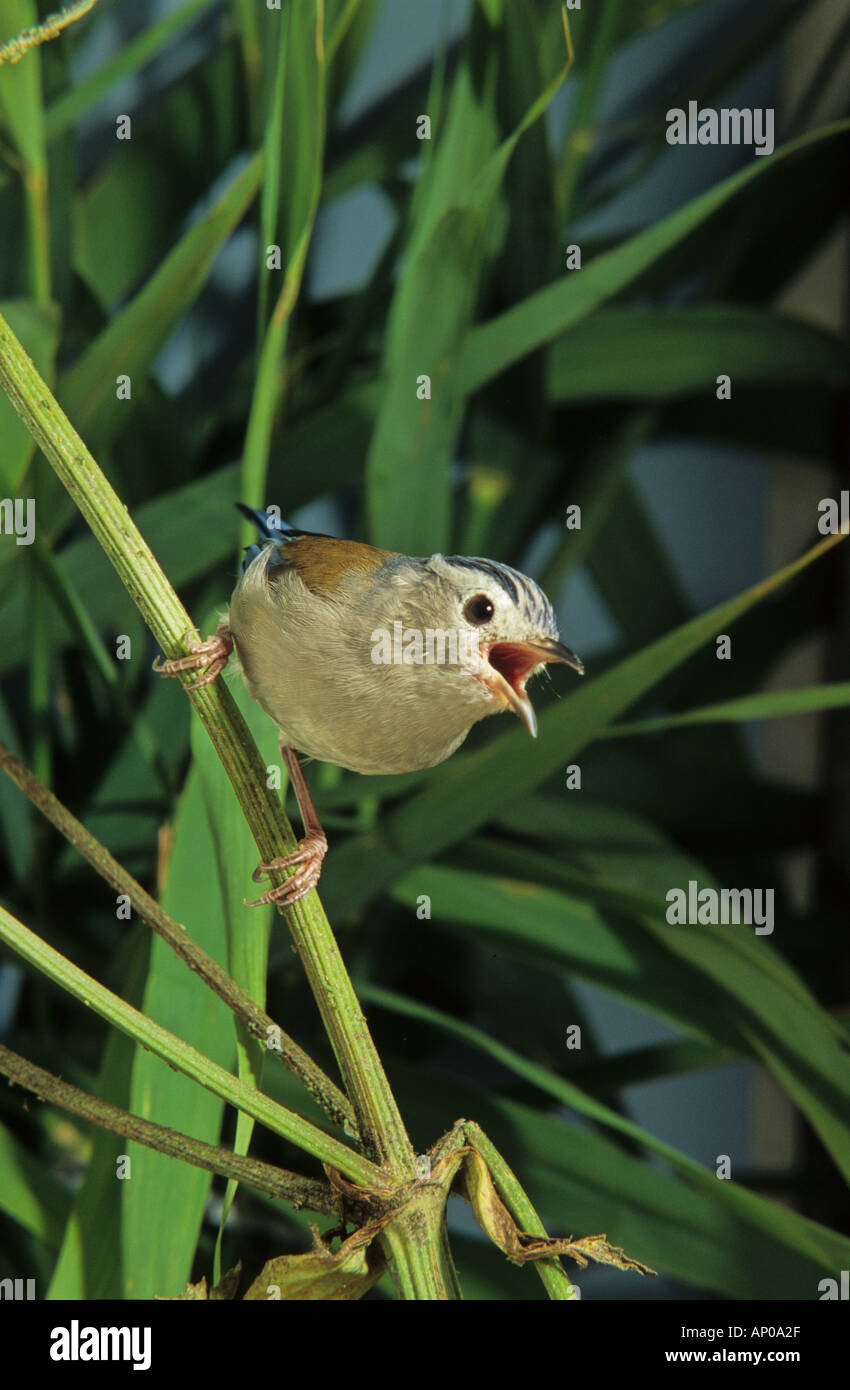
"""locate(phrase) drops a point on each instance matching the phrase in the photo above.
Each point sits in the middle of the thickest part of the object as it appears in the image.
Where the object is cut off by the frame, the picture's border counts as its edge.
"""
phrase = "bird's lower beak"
(511, 664)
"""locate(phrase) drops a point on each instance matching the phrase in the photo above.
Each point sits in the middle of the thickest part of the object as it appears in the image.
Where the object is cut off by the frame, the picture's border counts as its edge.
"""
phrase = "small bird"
(375, 661)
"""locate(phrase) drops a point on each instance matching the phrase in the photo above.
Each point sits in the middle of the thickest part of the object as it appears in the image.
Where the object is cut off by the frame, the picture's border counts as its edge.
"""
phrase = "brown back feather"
(321, 561)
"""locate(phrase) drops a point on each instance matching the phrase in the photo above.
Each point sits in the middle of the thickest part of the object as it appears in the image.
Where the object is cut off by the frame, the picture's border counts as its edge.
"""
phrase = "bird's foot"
(309, 855)
(213, 654)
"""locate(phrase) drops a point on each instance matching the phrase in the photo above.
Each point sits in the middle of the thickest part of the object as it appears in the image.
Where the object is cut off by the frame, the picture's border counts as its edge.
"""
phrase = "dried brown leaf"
(475, 1182)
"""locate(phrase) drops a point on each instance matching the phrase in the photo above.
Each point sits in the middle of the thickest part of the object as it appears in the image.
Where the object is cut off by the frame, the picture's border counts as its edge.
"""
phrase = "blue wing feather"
(269, 527)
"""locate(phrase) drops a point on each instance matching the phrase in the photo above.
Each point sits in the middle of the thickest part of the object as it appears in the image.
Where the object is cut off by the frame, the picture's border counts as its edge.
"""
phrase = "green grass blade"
(246, 929)
(541, 317)
(163, 1204)
(639, 353)
(66, 109)
(30, 1194)
(298, 141)
(770, 705)
(743, 981)
(90, 1262)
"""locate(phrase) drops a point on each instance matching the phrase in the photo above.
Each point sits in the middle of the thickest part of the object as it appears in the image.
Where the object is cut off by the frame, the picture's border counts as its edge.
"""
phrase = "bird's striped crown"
(526, 596)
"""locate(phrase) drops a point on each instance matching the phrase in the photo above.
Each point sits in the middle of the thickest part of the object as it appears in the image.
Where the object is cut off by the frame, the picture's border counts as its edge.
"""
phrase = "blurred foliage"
(148, 257)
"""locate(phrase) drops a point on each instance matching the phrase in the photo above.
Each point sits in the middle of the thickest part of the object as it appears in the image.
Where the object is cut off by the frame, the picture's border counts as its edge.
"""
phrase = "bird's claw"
(309, 855)
(213, 654)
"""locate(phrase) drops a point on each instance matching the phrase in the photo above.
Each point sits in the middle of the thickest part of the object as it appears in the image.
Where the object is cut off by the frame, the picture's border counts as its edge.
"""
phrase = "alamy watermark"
(705, 907)
(727, 126)
(413, 646)
(17, 518)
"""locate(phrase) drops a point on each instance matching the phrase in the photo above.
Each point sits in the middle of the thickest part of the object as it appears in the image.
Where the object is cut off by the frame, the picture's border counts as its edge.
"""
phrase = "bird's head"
(506, 625)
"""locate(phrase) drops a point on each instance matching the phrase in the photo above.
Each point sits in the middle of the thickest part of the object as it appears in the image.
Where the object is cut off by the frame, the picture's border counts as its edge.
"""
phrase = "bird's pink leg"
(213, 654)
(311, 849)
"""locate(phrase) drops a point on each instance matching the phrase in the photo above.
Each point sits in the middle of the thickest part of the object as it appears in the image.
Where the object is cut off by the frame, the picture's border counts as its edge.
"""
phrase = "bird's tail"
(270, 526)
(268, 523)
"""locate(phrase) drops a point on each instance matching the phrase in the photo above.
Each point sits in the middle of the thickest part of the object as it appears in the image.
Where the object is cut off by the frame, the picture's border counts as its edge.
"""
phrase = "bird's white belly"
(336, 705)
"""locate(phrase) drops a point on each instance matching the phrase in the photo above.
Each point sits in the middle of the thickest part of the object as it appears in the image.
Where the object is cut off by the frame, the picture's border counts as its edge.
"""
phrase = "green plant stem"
(38, 241)
(264, 1177)
(185, 1058)
(15, 48)
(333, 1102)
(252, 58)
(580, 140)
(272, 175)
(401, 1239)
(552, 1274)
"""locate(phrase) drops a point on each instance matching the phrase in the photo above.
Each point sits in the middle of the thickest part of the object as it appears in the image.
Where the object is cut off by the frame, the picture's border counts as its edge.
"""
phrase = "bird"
(373, 660)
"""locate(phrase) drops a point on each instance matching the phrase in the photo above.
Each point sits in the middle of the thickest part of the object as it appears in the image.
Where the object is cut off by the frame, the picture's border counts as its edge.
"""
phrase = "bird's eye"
(478, 610)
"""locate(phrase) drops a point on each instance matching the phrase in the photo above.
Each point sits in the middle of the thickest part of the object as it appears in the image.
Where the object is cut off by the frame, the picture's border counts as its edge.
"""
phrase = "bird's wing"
(322, 561)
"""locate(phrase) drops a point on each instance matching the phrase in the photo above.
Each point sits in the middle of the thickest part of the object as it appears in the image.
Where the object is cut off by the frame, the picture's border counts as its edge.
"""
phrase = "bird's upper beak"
(511, 664)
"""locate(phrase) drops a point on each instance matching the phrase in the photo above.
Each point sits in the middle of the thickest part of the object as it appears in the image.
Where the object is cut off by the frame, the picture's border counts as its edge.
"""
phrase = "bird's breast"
(310, 664)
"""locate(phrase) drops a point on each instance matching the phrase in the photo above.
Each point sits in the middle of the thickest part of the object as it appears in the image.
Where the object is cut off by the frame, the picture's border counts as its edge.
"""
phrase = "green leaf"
(89, 1264)
(129, 344)
(295, 137)
(30, 1193)
(22, 135)
(564, 932)
(79, 98)
(408, 467)
(773, 704)
(163, 1205)
(138, 200)
(641, 353)
(496, 345)
(246, 928)
(744, 983)
(21, 115)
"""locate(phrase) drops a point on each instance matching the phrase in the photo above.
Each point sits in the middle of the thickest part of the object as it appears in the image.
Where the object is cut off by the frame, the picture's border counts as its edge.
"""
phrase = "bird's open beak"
(511, 664)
